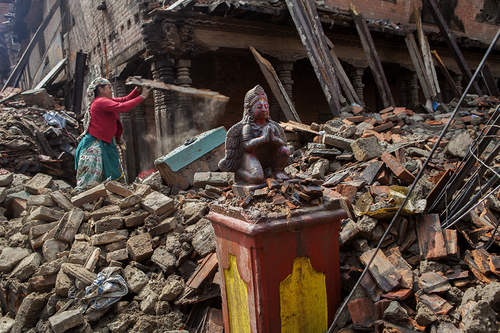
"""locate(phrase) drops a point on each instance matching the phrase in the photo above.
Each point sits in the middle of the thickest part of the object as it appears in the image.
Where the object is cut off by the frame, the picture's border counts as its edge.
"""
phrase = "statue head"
(251, 98)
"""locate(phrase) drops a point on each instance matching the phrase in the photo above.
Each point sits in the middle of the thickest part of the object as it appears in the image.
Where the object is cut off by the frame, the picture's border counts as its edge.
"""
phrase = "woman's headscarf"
(91, 96)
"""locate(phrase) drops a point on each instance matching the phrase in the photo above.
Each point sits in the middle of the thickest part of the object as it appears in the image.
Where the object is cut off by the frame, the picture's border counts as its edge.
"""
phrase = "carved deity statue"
(255, 143)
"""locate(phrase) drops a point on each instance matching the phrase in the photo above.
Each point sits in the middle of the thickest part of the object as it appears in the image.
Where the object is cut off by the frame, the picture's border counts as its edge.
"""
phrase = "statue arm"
(249, 142)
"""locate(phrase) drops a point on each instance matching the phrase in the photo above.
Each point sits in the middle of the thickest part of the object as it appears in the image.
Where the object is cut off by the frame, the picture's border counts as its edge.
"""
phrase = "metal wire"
(417, 178)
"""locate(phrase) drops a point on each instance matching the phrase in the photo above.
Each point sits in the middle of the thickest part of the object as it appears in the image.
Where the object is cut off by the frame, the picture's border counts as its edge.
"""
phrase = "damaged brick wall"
(400, 12)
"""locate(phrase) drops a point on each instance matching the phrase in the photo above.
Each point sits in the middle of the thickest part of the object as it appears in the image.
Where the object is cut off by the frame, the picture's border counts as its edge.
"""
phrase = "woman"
(97, 157)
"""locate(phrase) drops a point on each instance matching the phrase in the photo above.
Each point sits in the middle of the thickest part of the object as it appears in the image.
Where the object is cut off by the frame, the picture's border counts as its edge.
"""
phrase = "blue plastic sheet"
(54, 119)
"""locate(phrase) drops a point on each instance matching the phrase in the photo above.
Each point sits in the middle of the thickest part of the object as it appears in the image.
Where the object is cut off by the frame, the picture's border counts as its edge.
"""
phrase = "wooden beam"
(489, 80)
(426, 55)
(132, 80)
(452, 45)
(311, 34)
(52, 75)
(277, 88)
(16, 73)
(418, 63)
(447, 74)
(372, 57)
(343, 78)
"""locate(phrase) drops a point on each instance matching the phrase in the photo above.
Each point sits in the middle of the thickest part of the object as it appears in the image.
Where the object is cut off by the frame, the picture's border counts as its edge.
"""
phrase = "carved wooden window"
(490, 12)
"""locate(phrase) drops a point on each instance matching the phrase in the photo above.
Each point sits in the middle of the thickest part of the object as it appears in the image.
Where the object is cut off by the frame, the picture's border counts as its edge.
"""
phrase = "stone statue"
(255, 143)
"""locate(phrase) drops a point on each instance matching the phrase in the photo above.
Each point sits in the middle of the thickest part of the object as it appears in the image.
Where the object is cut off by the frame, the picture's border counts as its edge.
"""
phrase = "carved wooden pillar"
(162, 70)
(403, 101)
(144, 161)
(357, 81)
(185, 113)
(128, 134)
(458, 81)
(447, 92)
(412, 89)
(284, 70)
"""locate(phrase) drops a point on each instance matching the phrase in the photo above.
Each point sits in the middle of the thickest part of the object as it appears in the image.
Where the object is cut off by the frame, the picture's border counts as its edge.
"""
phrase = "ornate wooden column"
(284, 70)
(412, 88)
(163, 70)
(128, 134)
(184, 113)
(458, 81)
(403, 101)
(357, 81)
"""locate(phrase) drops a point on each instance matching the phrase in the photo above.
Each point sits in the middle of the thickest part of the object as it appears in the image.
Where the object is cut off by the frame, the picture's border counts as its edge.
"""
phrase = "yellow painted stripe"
(303, 303)
(237, 298)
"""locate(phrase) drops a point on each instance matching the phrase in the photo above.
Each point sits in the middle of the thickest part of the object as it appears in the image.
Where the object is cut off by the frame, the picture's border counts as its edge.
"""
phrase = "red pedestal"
(268, 261)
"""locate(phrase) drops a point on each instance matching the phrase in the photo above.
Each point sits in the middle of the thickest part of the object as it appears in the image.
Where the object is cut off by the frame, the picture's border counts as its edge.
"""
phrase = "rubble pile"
(34, 139)
(140, 257)
(153, 255)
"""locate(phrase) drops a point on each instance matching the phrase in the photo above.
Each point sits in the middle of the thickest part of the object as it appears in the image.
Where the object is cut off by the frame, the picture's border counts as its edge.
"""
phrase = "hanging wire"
(413, 185)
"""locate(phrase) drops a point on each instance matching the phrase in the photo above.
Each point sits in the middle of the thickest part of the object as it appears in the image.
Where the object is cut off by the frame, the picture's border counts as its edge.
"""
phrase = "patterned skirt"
(96, 160)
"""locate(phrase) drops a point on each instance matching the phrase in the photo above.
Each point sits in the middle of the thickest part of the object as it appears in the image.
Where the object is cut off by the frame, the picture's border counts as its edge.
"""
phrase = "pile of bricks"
(56, 240)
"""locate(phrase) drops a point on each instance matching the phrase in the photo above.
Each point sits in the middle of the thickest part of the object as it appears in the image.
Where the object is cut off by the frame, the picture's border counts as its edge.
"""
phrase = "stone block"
(104, 211)
(173, 288)
(38, 182)
(11, 256)
(63, 321)
(39, 98)
(61, 200)
(204, 240)
(130, 201)
(164, 259)
(366, 148)
(63, 283)
(46, 214)
(164, 227)
(139, 247)
(41, 200)
(43, 283)
(108, 237)
(27, 267)
(88, 196)
(51, 248)
(118, 255)
(136, 279)
(3, 194)
(217, 179)
(116, 246)
(29, 312)
(68, 226)
(142, 189)
(135, 219)
(108, 223)
(117, 188)
(6, 179)
(17, 207)
(338, 142)
(79, 252)
(157, 203)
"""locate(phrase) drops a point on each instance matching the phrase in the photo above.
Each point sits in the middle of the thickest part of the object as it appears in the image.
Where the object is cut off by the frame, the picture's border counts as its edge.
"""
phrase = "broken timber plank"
(452, 44)
(276, 86)
(342, 76)
(203, 271)
(489, 80)
(69, 224)
(426, 55)
(418, 63)
(469, 260)
(372, 57)
(311, 34)
(447, 74)
(183, 90)
(54, 72)
(430, 237)
(384, 273)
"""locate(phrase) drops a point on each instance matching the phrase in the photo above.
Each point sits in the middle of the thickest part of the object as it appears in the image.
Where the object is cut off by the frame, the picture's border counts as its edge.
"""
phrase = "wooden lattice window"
(490, 12)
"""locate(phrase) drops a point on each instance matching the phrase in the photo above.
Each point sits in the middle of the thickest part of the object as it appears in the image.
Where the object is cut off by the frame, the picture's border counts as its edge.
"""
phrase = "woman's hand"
(145, 93)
